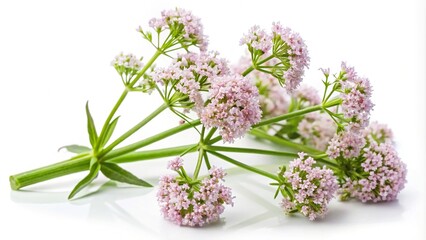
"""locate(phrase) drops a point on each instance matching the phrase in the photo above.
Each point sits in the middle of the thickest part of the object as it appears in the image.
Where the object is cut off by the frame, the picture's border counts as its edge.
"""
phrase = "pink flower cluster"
(181, 20)
(317, 129)
(175, 164)
(273, 99)
(290, 44)
(383, 175)
(346, 144)
(127, 64)
(194, 205)
(356, 107)
(312, 187)
(378, 132)
(356, 96)
(233, 106)
(307, 94)
(257, 39)
(193, 73)
(287, 47)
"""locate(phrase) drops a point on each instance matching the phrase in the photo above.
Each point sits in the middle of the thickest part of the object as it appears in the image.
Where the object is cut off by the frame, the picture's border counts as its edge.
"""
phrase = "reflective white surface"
(56, 55)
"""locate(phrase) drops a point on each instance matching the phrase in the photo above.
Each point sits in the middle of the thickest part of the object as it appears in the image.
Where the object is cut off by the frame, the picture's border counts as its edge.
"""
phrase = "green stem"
(133, 130)
(300, 112)
(251, 68)
(110, 116)
(247, 71)
(70, 166)
(206, 160)
(123, 96)
(288, 116)
(210, 134)
(200, 154)
(250, 150)
(199, 162)
(325, 90)
(48, 172)
(284, 142)
(321, 155)
(82, 164)
(214, 140)
(146, 67)
(265, 60)
(333, 102)
(245, 166)
(134, 146)
(318, 155)
(152, 154)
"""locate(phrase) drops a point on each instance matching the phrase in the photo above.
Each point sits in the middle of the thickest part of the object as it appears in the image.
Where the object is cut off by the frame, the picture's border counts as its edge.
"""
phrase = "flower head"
(191, 73)
(312, 188)
(175, 164)
(379, 133)
(345, 144)
(194, 204)
(307, 94)
(369, 166)
(383, 175)
(257, 39)
(181, 23)
(325, 71)
(292, 51)
(356, 98)
(126, 65)
(273, 99)
(317, 129)
(233, 106)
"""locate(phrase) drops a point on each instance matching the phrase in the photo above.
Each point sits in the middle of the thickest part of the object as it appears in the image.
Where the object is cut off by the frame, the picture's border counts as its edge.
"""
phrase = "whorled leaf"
(93, 173)
(74, 148)
(109, 131)
(116, 173)
(91, 129)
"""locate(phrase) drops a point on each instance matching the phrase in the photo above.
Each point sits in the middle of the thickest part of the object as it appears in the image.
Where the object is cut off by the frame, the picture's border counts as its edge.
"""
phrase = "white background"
(55, 55)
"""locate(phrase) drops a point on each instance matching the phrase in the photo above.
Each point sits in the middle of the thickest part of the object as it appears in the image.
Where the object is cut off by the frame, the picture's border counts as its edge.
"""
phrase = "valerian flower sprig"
(307, 189)
(190, 74)
(284, 47)
(193, 202)
(127, 66)
(376, 173)
(184, 29)
(355, 93)
(232, 107)
(339, 150)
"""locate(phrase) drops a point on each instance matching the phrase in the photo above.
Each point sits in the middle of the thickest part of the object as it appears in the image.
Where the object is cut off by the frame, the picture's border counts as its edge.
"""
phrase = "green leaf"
(293, 135)
(91, 129)
(276, 192)
(294, 211)
(75, 148)
(115, 172)
(93, 173)
(109, 131)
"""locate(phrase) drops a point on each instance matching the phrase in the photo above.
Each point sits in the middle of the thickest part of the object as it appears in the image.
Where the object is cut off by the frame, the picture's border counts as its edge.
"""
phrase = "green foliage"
(91, 129)
(93, 173)
(116, 173)
(74, 148)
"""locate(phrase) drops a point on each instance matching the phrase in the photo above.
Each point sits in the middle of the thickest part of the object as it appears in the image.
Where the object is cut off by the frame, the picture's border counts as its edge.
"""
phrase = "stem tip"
(14, 183)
